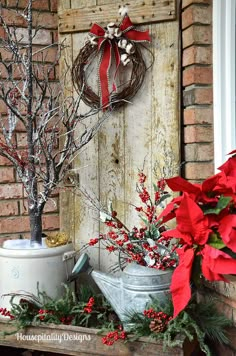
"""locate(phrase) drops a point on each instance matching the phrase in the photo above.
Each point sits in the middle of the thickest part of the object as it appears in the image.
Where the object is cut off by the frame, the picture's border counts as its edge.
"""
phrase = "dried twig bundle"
(125, 92)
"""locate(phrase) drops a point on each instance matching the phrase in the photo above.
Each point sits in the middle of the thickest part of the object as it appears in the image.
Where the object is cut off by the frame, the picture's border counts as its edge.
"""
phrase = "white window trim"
(224, 78)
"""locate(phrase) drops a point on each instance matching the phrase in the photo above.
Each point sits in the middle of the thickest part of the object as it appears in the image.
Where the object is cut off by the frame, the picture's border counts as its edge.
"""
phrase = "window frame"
(224, 79)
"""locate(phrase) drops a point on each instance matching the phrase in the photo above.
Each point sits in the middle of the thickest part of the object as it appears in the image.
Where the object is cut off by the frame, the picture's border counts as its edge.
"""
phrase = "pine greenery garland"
(69, 309)
(199, 320)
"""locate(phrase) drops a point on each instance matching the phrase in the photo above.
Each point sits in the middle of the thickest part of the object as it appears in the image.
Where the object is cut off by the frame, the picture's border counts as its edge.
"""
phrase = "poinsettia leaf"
(219, 244)
(180, 283)
(216, 263)
(215, 241)
(222, 203)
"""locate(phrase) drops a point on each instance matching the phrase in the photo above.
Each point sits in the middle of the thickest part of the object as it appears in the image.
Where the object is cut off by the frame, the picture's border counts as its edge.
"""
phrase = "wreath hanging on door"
(115, 45)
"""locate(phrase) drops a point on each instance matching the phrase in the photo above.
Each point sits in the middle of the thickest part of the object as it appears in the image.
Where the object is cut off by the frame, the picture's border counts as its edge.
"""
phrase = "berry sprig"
(113, 336)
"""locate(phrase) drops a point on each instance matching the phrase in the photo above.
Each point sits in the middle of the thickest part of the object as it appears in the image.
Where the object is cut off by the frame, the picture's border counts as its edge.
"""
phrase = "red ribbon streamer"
(105, 44)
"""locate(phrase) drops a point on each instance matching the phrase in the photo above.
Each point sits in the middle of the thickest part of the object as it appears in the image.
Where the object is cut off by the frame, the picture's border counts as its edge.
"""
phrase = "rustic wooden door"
(145, 131)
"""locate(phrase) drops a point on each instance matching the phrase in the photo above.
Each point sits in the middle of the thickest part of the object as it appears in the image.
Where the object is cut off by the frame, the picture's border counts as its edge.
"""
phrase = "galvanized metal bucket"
(136, 286)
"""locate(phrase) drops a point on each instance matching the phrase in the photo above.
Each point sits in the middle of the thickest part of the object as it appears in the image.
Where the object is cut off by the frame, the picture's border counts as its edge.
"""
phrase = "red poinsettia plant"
(144, 244)
(205, 229)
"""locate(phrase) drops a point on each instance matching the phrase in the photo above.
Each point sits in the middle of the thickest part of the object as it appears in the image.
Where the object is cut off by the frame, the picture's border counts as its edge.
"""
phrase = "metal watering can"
(130, 292)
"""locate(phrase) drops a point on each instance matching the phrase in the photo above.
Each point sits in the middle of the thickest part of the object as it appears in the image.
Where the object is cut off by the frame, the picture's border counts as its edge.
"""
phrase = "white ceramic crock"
(24, 269)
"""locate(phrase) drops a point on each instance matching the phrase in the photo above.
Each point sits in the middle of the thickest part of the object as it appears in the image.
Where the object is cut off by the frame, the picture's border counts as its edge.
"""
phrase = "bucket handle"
(66, 257)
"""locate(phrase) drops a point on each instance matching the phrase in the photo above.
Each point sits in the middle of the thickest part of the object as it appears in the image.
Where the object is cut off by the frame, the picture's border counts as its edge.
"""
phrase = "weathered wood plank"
(146, 130)
(138, 131)
(111, 173)
(141, 12)
(72, 340)
(72, 209)
(87, 219)
(165, 139)
(66, 197)
(63, 5)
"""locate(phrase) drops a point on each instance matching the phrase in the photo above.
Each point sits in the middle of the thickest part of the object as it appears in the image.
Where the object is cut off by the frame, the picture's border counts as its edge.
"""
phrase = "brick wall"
(13, 203)
(198, 146)
(198, 149)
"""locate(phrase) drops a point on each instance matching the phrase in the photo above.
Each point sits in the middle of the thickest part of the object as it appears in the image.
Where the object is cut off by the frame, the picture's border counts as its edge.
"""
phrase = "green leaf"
(215, 241)
(154, 231)
(144, 220)
(155, 187)
(218, 244)
(222, 203)
(164, 197)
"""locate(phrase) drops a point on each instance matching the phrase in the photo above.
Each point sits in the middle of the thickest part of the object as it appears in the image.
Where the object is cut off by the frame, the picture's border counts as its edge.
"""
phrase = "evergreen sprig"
(199, 320)
(69, 309)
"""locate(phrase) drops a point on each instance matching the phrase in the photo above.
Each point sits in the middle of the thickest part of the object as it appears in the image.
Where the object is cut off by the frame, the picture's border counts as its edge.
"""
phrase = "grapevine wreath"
(113, 45)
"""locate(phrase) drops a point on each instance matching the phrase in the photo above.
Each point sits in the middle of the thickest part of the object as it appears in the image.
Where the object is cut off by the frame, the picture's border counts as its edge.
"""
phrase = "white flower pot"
(25, 268)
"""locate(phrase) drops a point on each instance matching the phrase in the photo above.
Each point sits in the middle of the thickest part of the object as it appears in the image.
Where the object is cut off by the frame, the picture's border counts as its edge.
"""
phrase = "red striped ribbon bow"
(106, 43)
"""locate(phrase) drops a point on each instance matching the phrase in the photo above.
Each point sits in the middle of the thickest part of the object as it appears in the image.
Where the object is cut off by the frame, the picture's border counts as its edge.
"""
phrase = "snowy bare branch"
(55, 127)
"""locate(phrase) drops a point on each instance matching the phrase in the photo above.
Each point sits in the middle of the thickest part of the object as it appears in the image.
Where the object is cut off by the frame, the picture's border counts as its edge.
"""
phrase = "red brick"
(44, 71)
(43, 37)
(20, 224)
(12, 18)
(197, 55)
(51, 222)
(53, 5)
(51, 206)
(2, 35)
(198, 116)
(8, 208)
(6, 55)
(202, 95)
(3, 108)
(15, 224)
(55, 37)
(199, 152)
(9, 236)
(37, 4)
(2, 139)
(11, 191)
(7, 175)
(45, 20)
(197, 75)
(197, 35)
(19, 125)
(21, 139)
(3, 72)
(197, 171)
(196, 14)
(4, 161)
(186, 3)
(46, 55)
(227, 306)
(198, 133)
